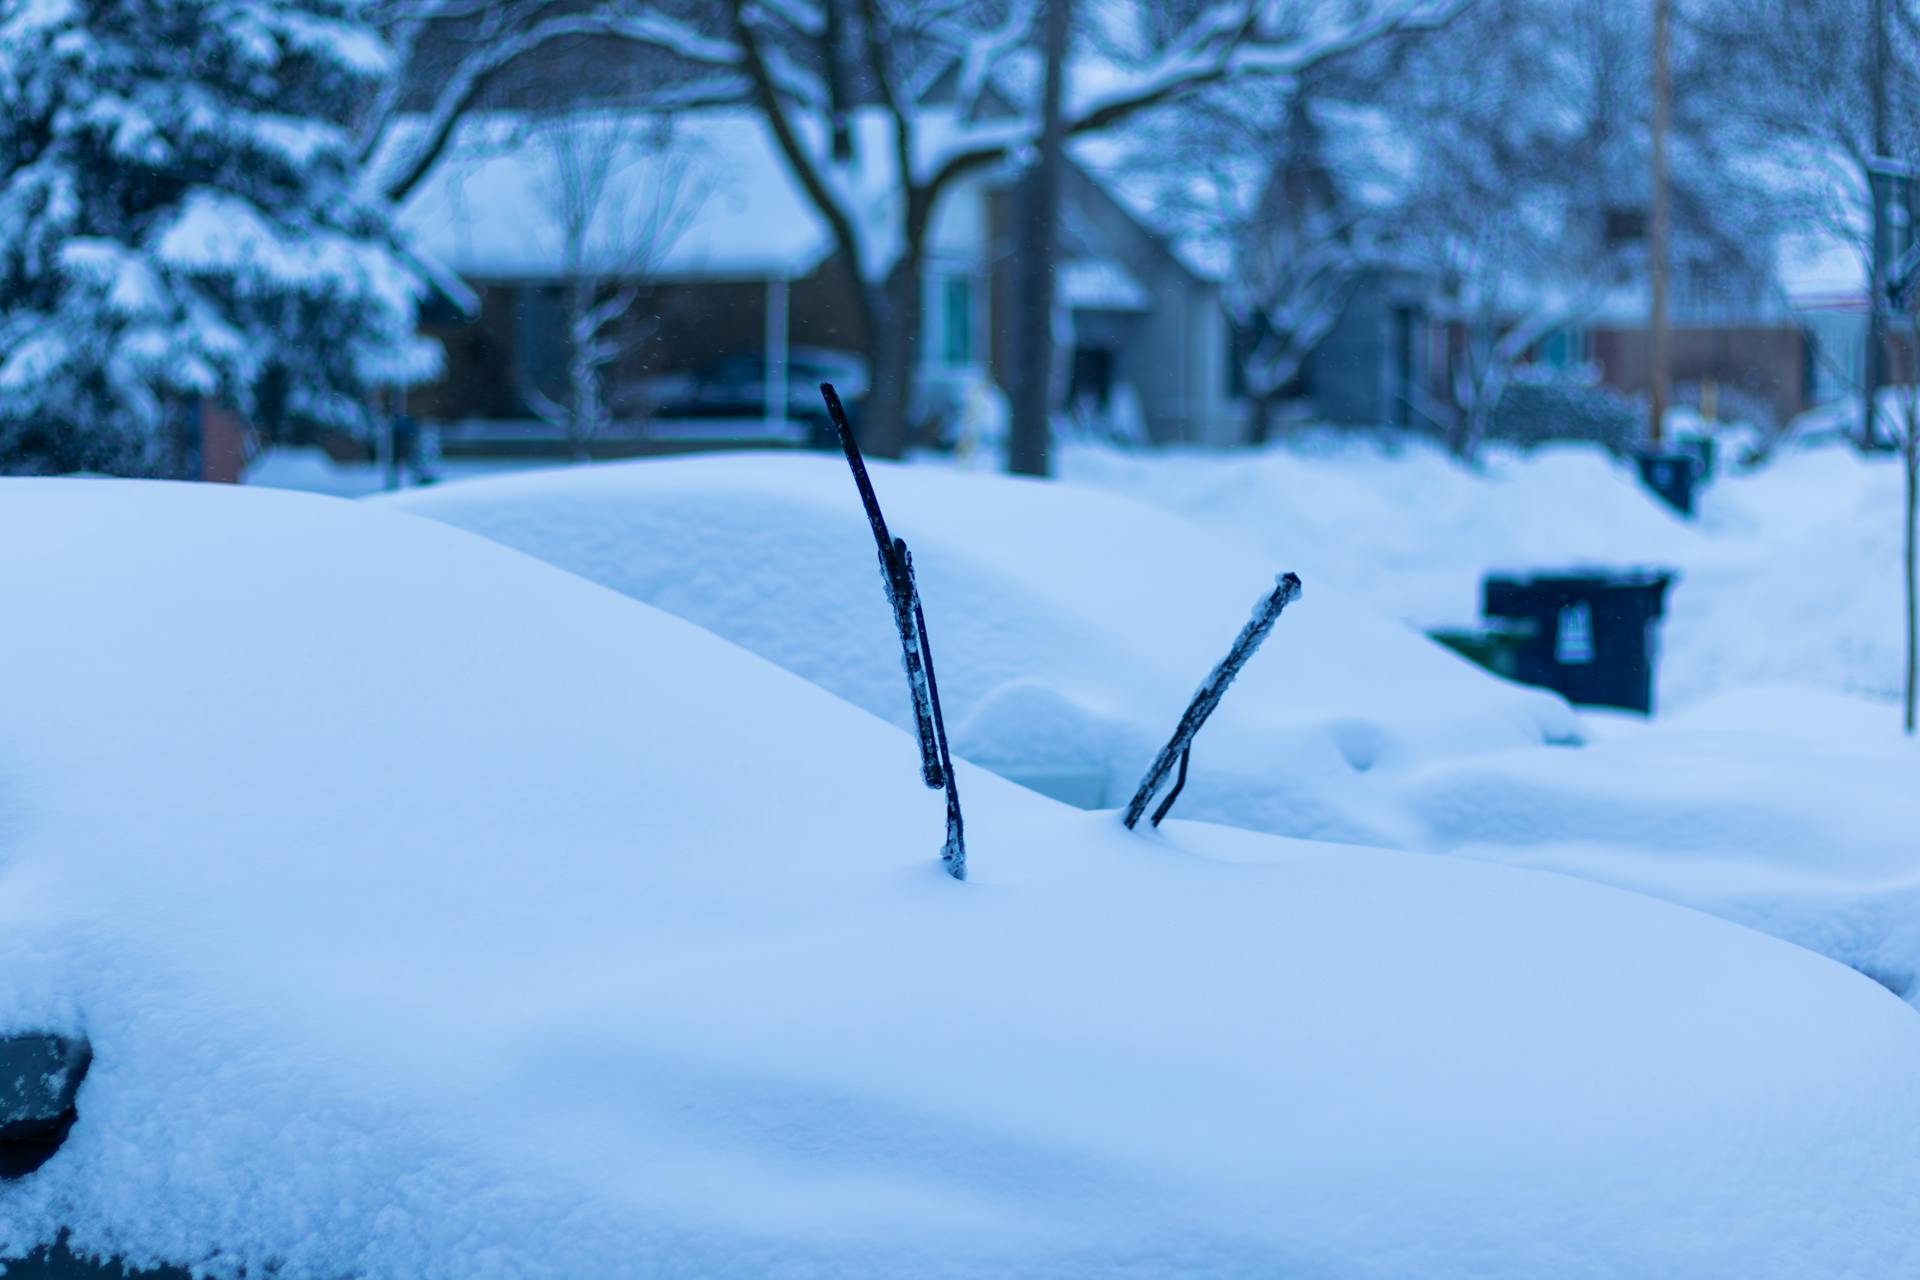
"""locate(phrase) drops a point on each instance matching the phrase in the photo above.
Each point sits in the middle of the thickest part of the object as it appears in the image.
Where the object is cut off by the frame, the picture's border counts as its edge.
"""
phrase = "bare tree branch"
(492, 57)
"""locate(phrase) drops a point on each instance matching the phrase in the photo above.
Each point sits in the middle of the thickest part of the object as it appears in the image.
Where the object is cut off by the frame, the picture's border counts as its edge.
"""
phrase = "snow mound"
(1791, 572)
(1788, 809)
(1115, 609)
(1398, 521)
(1798, 581)
(433, 913)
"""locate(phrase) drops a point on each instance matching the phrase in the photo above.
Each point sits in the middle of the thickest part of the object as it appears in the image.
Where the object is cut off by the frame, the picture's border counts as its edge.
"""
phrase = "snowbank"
(1783, 808)
(1798, 582)
(1791, 572)
(433, 913)
(1069, 627)
(1398, 521)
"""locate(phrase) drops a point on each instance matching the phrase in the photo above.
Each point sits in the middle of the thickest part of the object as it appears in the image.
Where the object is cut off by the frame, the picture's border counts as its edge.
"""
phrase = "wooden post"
(1661, 372)
(1875, 372)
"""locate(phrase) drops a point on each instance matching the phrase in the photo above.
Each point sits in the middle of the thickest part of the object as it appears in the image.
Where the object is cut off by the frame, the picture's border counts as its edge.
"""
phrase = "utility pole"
(1031, 430)
(1877, 184)
(1660, 231)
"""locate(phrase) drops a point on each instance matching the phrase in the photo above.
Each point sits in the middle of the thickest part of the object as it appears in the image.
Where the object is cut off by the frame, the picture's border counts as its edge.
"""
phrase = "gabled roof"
(712, 183)
(1193, 209)
(709, 190)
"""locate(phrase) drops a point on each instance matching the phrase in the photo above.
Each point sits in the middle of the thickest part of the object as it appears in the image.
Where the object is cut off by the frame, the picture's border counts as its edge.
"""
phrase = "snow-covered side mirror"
(40, 1074)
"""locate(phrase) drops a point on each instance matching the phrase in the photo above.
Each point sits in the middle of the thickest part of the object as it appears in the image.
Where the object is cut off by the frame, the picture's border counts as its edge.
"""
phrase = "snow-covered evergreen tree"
(181, 220)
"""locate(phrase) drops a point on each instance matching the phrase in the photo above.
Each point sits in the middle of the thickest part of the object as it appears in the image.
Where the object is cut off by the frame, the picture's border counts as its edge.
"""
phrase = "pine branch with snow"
(181, 221)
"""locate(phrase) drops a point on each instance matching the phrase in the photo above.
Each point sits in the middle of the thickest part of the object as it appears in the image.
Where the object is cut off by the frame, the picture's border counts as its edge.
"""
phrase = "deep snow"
(435, 913)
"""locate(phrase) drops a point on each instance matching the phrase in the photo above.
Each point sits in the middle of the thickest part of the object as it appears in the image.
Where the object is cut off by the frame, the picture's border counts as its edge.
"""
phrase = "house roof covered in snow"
(1196, 241)
(1194, 208)
(696, 195)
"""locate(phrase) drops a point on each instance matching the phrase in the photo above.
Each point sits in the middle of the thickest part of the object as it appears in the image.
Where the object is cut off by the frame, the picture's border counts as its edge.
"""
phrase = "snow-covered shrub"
(1550, 405)
(180, 220)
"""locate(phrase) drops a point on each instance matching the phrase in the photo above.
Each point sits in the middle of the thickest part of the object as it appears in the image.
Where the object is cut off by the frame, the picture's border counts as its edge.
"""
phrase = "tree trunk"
(1031, 430)
(891, 348)
(1260, 430)
(584, 391)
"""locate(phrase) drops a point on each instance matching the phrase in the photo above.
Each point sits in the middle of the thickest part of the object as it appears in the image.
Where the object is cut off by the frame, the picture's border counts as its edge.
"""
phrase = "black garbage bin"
(1674, 475)
(1590, 636)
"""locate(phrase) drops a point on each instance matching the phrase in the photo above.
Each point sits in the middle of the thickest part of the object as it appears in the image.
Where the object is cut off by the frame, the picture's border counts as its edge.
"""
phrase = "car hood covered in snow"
(432, 912)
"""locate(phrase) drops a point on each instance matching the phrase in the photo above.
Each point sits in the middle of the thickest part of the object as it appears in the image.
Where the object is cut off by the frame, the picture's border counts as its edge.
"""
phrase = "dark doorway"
(1403, 371)
(1092, 377)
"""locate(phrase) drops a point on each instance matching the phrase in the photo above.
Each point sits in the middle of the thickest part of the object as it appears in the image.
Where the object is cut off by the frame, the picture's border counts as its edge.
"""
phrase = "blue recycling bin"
(1591, 636)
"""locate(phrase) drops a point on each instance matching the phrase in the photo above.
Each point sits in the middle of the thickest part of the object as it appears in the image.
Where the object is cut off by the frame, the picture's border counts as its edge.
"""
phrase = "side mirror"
(40, 1075)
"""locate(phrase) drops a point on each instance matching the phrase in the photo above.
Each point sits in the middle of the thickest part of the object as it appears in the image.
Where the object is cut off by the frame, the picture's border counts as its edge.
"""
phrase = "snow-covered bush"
(180, 221)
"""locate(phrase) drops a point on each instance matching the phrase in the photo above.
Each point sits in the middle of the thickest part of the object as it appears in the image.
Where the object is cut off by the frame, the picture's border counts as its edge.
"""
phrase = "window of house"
(956, 321)
(1562, 349)
(540, 324)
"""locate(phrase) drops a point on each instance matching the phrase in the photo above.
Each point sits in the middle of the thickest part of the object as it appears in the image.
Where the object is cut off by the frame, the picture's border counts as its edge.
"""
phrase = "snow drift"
(435, 913)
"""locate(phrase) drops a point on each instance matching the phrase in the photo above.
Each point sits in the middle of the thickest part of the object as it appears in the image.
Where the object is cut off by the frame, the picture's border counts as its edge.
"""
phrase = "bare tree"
(1251, 178)
(1830, 90)
(1305, 243)
(1529, 118)
(452, 53)
(901, 50)
(809, 65)
(617, 188)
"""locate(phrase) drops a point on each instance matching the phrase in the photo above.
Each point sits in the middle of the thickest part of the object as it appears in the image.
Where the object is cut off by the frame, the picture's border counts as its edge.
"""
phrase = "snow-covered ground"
(1790, 574)
(436, 913)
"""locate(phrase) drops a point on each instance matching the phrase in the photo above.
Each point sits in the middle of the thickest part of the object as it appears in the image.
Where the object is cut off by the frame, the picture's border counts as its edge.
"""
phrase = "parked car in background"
(733, 390)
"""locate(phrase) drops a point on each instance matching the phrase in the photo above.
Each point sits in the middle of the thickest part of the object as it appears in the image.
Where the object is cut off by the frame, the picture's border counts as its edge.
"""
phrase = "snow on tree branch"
(1226, 42)
(503, 48)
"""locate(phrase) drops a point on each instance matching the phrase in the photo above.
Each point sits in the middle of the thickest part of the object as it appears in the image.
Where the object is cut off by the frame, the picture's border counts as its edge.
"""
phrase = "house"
(1147, 343)
(699, 215)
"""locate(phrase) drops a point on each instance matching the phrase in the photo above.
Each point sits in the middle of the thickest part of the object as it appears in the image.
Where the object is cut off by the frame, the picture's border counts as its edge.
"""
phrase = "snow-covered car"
(1069, 627)
(432, 912)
